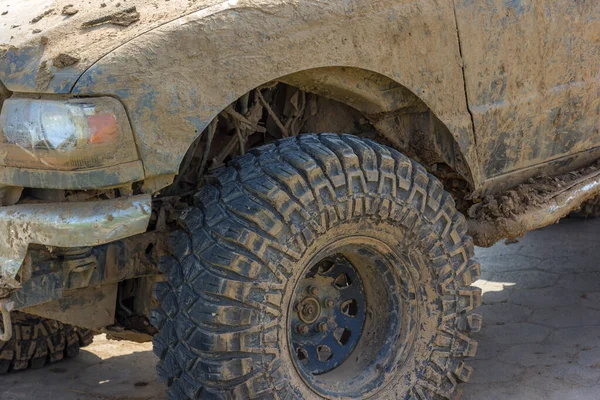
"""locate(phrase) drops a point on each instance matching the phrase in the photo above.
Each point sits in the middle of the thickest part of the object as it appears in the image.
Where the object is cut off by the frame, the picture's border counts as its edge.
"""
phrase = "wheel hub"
(329, 315)
(309, 310)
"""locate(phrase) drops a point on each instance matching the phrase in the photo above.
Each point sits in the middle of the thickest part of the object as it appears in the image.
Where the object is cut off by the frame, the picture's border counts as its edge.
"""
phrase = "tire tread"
(38, 341)
(319, 180)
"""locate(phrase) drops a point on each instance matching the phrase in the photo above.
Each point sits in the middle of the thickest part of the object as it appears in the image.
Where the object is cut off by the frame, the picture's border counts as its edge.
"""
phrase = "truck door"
(532, 79)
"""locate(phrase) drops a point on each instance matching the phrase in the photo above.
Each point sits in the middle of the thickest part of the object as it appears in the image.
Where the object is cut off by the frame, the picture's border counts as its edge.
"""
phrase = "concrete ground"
(541, 335)
(106, 370)
(541, 310)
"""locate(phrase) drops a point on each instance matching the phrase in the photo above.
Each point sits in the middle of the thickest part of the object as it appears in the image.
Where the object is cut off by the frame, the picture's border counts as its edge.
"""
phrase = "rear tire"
(37, 341)
(263, 226)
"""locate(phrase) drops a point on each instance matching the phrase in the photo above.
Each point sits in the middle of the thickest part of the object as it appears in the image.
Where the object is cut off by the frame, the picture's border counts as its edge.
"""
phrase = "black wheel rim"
(385, 318)
(328, 315)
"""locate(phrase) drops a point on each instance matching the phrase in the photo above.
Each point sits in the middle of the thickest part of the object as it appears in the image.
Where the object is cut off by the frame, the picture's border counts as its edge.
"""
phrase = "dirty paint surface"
(175, 79)
(530, 68)
(532, 77)
(32, 51)
(85, 179)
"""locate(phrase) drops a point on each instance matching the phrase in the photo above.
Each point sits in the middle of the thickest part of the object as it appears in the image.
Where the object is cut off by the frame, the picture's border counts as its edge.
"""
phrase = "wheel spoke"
(329, 315)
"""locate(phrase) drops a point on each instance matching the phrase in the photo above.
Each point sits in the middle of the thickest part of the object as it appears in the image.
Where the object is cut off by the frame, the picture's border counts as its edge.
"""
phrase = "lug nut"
(308, 310)
(329, 303)
(323, 327)
(313, 290)
(302, 329)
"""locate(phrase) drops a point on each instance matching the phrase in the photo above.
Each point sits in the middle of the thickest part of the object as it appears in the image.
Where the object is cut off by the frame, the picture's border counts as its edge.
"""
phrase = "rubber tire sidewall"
(240, 207)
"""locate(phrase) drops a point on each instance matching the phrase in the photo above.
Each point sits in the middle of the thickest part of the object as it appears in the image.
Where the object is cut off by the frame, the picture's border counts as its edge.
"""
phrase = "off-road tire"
(222, 315)
(589, 209)
(38, 341)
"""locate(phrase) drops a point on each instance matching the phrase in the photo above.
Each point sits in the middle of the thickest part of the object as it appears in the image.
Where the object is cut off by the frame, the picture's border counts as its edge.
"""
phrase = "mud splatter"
(533, 193)
(64, 60)
(69, 9)
(43, 77)
(534, 204)
(123, 18)
(42, 15)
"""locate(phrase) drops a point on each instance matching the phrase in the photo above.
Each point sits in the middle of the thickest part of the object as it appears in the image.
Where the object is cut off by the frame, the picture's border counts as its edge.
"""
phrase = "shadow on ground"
(107, 370)
(541, 309)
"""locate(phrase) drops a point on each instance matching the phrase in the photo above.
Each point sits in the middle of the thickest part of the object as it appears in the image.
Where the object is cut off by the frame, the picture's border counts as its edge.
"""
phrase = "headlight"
(65, 134)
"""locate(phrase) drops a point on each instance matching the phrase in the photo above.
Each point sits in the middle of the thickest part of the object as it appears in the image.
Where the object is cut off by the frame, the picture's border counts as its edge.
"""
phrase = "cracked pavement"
(541, 310)
(540, 340)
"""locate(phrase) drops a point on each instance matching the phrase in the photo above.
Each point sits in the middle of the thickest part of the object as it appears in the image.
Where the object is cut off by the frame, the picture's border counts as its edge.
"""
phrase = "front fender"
(176, 78)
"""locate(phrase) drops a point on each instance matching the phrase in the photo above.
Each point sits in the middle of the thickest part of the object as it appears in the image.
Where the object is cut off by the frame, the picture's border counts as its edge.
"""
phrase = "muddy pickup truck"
(284, 195)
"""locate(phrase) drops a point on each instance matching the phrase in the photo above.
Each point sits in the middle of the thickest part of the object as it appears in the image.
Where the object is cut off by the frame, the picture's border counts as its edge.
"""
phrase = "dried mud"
(42, 15)
(63, 60)
(69, 9)
(122, 18)
(536, 203)
(70, 26)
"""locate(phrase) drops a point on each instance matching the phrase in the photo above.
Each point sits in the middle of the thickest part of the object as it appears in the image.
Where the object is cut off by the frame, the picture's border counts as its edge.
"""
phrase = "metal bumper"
(78, 224)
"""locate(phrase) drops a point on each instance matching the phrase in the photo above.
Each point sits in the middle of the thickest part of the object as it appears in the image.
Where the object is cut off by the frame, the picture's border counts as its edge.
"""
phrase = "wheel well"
(337, 100)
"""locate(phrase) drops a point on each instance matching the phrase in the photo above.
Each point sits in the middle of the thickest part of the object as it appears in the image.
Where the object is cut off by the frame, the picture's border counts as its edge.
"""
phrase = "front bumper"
(77, 224)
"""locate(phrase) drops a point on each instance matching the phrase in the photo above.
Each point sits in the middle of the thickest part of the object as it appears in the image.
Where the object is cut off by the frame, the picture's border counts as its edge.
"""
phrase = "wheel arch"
(174, 80)
(397, 113)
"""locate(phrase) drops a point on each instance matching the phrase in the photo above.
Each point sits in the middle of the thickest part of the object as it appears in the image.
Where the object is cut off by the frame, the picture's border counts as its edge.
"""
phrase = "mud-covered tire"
(243, 246)
(37, 341)
(589, 209)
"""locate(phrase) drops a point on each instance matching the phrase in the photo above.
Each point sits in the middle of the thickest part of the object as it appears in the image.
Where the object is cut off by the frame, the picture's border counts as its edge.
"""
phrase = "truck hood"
(45, 46)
